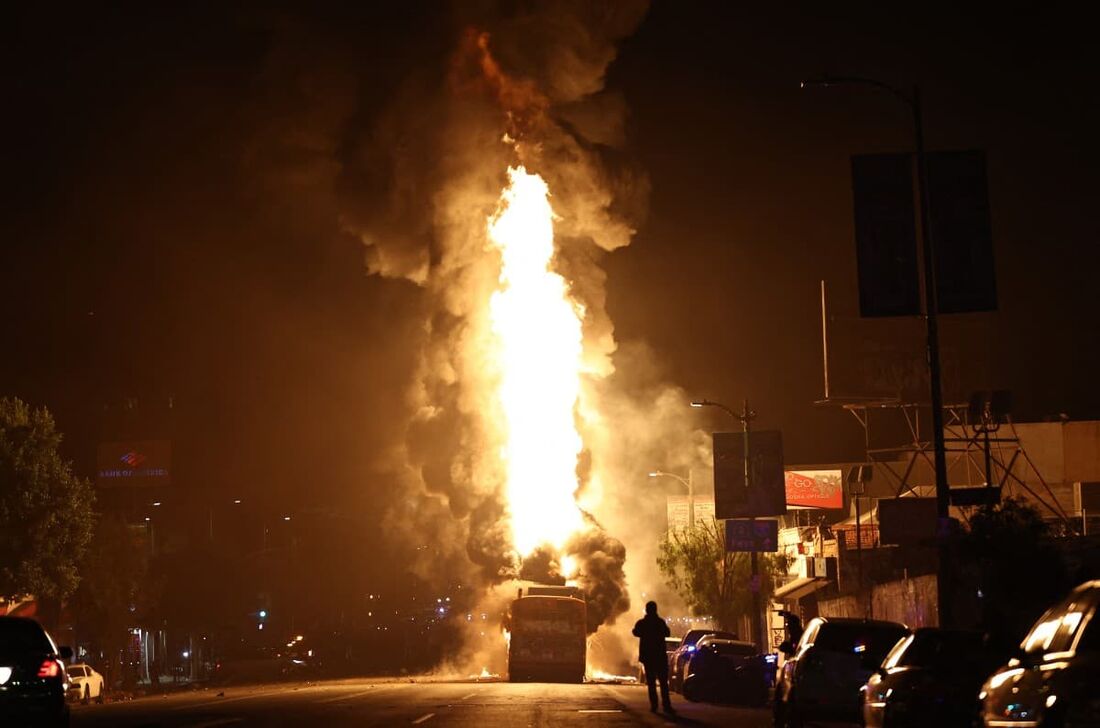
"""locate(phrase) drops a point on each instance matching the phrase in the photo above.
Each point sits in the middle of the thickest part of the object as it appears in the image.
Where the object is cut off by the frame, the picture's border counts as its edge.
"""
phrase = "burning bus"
(547, 628)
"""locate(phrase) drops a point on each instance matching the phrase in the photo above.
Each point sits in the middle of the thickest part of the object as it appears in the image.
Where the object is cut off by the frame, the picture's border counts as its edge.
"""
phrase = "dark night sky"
(153, 245)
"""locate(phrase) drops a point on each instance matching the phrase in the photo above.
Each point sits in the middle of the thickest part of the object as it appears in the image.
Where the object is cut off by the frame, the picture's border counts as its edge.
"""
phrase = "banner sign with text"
(134, 464)
(815, 488)
(678, 510)
(745, 535)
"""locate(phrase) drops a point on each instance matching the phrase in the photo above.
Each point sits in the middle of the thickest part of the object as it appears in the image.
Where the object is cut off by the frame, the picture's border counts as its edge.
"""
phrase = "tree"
(711, 580)
(110, 597)
(45, 511)
(1017, 570)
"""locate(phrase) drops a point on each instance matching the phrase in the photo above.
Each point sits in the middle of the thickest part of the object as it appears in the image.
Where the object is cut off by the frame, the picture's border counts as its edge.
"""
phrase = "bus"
(548, 632)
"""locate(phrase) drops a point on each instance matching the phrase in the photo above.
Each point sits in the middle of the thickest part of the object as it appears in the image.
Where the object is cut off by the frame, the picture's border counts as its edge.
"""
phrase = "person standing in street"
(651, 631)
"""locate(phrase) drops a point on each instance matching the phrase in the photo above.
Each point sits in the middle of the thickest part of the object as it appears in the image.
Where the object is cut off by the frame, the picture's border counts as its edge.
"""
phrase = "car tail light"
(49, 668)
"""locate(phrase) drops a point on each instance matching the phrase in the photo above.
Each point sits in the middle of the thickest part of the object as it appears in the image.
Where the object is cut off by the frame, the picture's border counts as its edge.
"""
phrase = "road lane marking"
(423, 718)
(601, 710)
(223, 701)
(464, 697)
(353, 696)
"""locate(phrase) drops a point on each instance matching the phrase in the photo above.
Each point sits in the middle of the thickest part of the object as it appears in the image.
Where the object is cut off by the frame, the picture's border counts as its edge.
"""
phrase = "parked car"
(824, 672)
(684, 650)
(725, 671)
(84, 683)
(930, 678)
(32, 675)
(1052, 679)
(671, 643)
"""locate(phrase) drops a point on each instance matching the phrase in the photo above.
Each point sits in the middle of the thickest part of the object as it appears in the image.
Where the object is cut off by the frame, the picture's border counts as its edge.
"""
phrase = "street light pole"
(745, 417)
(928, 276)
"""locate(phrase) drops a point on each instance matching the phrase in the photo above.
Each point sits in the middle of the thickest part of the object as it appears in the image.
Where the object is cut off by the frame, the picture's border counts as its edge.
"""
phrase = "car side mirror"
(65, 652)
(786, 648)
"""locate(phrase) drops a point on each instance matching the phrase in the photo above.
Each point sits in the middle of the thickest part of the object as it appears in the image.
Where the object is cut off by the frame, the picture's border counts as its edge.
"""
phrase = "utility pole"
(932, 339)
(944, 582)
(746, 417)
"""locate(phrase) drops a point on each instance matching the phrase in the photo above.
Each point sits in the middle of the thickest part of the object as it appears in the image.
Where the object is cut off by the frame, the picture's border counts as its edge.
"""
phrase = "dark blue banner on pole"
(962, 235)
(766, 495)
(886, 235)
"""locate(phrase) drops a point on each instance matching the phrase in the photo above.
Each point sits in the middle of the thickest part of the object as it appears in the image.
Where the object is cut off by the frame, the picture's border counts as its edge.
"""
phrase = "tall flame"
(538, 334)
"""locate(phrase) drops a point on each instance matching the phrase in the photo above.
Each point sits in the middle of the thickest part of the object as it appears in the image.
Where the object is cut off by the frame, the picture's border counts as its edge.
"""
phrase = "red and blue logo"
(133, 458)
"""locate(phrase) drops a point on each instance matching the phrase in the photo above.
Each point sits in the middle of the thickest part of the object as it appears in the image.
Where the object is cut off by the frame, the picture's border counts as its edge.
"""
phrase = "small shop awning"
(799, 588)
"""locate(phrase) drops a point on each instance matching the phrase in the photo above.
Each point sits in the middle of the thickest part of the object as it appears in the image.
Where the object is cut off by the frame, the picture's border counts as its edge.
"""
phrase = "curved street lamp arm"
(719, 405)
(827, 80)
(662, 473)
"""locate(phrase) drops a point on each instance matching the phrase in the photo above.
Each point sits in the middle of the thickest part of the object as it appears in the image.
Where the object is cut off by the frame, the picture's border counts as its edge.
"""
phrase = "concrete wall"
(909, 601)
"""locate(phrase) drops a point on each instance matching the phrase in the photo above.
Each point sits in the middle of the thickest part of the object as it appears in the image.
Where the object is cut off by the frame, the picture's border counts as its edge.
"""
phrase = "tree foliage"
(45, 511)
(710, 580)
(1011, 555)
(110, 597)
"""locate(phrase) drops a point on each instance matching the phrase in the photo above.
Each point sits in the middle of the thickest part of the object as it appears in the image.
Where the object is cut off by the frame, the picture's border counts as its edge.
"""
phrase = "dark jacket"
(651, 631)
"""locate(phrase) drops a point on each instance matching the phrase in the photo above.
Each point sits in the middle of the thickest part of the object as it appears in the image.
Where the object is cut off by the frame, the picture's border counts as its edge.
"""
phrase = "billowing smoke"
(542, 566)
(412, 169)
(600, 574)
(525, 84)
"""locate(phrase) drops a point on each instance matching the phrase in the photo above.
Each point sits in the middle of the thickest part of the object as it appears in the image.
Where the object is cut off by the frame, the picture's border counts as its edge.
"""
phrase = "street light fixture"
(697, 403)
(928, 274)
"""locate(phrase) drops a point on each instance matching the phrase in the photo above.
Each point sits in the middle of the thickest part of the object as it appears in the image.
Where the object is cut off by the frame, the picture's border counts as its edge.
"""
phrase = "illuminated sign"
(815, 488)
(134, 464)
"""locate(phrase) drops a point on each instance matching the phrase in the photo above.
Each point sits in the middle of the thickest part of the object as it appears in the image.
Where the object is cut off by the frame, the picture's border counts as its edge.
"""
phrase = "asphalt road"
(421, 702)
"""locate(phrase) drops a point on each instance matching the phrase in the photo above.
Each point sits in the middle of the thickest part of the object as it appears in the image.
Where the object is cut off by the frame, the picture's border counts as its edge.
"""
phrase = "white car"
(85, 683)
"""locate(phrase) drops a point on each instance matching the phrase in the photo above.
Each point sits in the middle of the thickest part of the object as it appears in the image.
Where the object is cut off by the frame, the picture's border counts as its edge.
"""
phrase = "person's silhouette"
(651, 631)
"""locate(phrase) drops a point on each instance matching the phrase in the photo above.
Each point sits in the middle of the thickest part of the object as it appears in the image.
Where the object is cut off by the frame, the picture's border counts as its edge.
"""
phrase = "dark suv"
(32, 677)
(823, 673)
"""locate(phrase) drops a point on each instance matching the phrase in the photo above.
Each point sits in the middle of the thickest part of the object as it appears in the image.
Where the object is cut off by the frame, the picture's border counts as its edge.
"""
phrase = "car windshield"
(870, 641)
(22, 635)
(693, 637)
(1055, 631)
(930, 648)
